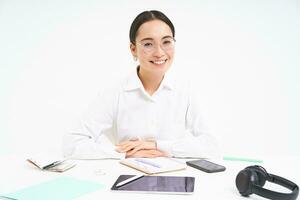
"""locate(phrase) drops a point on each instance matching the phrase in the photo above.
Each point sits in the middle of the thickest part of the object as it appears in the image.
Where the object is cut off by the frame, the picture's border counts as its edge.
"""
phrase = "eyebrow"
(167, 36)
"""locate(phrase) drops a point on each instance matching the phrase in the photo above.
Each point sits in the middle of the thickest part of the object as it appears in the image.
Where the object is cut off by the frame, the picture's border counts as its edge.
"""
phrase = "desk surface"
(16, 173)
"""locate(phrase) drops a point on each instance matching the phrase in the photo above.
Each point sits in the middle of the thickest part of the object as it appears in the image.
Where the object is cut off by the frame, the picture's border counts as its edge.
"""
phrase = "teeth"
(159, 62)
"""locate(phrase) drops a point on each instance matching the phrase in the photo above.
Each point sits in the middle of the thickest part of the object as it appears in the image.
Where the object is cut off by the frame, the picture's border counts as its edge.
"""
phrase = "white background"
(242, 56)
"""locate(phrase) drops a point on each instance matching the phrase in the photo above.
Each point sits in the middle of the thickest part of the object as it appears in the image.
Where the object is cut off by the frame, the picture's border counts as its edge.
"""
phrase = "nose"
(158, 51)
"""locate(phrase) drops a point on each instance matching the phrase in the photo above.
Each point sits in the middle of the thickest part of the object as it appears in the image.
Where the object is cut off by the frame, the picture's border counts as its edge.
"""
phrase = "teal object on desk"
(62, 188)
(242, 159)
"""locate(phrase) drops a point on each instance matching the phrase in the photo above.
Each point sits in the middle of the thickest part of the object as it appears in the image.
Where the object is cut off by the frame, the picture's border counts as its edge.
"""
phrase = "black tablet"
(157, 184)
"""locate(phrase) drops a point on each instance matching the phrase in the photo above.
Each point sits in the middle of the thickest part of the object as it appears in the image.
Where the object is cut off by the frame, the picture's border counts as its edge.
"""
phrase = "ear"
(133, 50)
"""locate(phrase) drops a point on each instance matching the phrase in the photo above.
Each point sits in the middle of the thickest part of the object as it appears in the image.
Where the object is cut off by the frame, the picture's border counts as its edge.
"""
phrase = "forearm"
(201, 146)
(83, 147)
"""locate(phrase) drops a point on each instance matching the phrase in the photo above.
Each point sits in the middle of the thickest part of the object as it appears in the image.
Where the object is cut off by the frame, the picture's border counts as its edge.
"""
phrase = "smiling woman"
(150, 114)
(152, 44)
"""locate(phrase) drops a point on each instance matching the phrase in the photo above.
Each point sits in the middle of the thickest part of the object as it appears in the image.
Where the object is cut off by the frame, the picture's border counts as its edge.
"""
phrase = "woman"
(148, 115)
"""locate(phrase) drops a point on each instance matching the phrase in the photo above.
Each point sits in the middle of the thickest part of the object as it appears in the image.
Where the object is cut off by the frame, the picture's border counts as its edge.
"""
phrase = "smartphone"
(206, 166)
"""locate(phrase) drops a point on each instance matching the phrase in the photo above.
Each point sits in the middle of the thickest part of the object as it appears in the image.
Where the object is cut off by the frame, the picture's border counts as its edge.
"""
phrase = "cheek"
(171, 54)
(142, 56)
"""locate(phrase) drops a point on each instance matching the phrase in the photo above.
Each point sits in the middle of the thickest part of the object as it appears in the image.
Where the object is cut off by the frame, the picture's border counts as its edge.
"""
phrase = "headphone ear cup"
(261, 174)
(243, 182)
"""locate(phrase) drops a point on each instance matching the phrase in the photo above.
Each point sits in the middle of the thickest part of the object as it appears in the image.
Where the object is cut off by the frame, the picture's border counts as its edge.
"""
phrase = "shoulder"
(180, 81)
(113, 90)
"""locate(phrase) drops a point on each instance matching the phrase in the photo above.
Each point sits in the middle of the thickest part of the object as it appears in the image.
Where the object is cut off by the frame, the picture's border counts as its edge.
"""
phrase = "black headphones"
(252, 179)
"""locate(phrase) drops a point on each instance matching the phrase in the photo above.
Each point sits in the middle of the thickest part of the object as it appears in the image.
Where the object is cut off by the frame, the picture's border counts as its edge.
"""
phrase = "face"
(154, 47)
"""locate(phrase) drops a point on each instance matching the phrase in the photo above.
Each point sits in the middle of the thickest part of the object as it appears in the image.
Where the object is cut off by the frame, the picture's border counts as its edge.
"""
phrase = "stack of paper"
(154, 165)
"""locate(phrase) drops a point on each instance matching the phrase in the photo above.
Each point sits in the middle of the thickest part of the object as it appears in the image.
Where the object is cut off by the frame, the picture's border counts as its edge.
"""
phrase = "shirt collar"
(134, 82)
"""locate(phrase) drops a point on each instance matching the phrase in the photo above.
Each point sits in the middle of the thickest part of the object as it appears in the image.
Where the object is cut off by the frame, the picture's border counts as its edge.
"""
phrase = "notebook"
(51, 163)
(154, 165)
(157, 184)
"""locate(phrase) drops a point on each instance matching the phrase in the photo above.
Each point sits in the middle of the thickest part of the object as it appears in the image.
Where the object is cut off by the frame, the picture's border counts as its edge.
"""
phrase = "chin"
(161, 69)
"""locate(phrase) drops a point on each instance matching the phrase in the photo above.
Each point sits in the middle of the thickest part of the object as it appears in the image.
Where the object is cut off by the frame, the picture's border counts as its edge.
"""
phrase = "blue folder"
(62, 188)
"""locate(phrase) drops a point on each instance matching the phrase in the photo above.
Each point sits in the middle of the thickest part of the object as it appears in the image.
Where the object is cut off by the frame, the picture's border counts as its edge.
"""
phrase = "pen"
(147, 162)
(129, 180)
(53, 164)
(242, 159)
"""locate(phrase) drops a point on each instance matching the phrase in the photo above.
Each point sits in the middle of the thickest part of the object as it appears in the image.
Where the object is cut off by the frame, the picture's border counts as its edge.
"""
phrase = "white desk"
(15, 173)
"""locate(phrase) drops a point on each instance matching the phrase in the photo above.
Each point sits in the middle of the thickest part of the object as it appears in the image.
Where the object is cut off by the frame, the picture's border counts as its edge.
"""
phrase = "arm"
(140, 148)
(87, 140)
(197, 142)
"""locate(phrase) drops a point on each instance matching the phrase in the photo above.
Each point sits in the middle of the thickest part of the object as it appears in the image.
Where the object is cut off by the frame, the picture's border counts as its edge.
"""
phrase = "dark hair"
(145, 17)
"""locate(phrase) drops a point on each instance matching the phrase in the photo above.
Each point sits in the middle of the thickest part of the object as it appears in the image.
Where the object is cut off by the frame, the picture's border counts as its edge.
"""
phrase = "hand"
(150, 153)
(135, 145)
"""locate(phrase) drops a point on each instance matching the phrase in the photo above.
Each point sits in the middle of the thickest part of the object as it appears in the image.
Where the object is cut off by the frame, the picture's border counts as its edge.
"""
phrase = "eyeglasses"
(149, 46)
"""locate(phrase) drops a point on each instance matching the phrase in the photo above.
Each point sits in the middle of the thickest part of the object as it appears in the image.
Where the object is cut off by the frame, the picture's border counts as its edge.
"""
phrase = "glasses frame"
(155, 45)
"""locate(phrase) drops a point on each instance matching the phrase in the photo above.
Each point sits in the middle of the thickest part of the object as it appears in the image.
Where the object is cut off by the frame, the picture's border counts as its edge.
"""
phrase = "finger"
(127, 141)
(137, 148)
(157, 153)
(142, 146)
(140, 153)
(127, 146)
(124, 143)
(152, 155)
(144, 154)
(130, 147)
(121, 150)
(130, 154)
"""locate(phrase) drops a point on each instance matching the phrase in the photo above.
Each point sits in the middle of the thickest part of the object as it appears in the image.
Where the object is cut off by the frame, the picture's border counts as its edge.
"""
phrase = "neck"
(150, 81)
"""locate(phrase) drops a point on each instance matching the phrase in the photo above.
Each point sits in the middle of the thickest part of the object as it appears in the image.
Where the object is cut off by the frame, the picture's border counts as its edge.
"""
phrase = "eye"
(148, 44)
(167, 42)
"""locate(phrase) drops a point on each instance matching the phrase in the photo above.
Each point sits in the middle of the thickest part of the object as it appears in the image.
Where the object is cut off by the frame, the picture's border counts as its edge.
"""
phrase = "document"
(154, 165)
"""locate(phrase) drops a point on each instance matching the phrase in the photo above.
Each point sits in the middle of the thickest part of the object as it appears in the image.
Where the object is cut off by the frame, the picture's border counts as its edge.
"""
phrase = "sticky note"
(62, 188)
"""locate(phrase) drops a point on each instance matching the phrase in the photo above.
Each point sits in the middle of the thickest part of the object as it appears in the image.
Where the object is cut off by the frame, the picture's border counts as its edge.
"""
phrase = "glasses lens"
(167, 44)
(148, 46)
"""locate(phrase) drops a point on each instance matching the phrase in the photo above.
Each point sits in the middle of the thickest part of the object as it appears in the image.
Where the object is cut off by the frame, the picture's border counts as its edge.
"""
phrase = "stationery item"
(63, 166)
(156, 184)
(154, 165)
(129, 180)
(51, 163)
(62, 188)
(230, 158)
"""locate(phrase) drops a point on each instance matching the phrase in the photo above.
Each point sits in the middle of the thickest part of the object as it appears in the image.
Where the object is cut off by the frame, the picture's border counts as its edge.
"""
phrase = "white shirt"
(170, 116)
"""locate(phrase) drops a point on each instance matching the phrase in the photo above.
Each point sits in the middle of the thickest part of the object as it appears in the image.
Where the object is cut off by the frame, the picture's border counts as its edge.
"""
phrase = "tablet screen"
(166, 184)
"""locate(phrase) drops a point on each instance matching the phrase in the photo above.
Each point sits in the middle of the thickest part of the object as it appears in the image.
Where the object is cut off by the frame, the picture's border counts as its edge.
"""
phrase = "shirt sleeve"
(197, 140)
(87, 139)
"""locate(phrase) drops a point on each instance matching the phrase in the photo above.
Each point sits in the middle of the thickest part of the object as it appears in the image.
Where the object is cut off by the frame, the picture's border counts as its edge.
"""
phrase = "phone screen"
(206, 166)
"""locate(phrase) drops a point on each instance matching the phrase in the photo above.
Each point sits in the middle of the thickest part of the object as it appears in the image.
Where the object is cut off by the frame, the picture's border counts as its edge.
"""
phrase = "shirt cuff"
(165, 146)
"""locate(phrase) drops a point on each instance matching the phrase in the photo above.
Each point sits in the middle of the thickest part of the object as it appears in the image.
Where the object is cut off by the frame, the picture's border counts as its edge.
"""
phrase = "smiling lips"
(159, 62)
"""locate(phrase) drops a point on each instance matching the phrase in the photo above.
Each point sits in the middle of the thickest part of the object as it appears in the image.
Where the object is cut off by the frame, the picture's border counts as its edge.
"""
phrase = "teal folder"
(62, 188)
